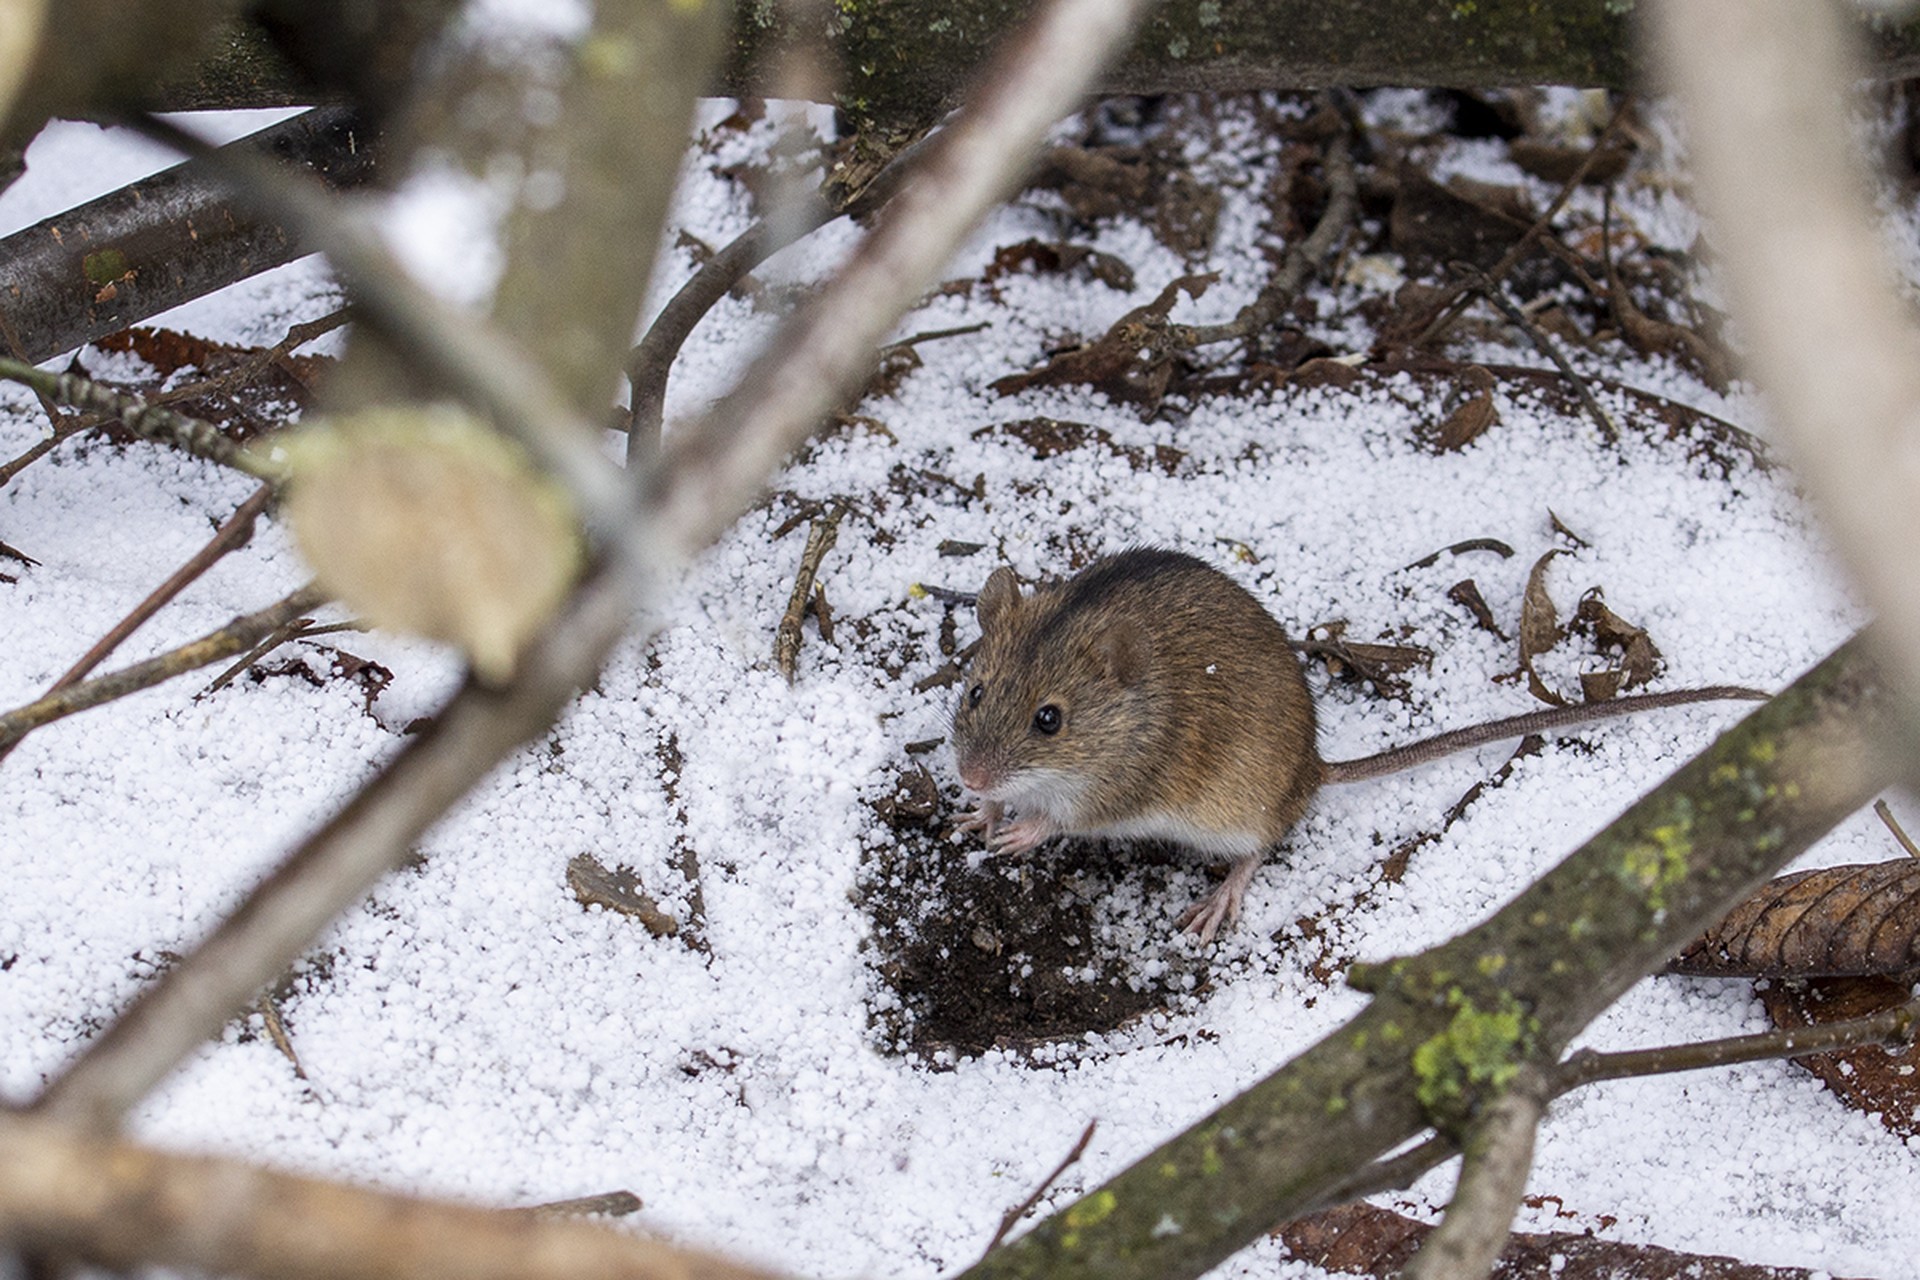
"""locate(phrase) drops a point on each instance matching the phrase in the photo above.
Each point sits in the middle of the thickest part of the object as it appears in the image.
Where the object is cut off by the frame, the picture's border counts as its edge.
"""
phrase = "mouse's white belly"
(1180, 830)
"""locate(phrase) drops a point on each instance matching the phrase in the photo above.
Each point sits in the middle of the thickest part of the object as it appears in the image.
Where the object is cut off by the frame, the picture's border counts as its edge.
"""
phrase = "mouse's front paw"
(1021, 834)
(983, 819)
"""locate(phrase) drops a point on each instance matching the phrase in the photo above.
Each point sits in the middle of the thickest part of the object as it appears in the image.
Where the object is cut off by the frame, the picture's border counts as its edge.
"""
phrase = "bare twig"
(144, 419)
(648, 366)
(1489, 289)
(126, 1207)
(232, 535)
(820, 540)
(269, 1009)
(1895, 1026)
(608, 1204)
(298, 336)
(1451, 305)
(1493, 1177)
(215, 645)
(1343, 205)
(1019, 1211)
(1885, 813)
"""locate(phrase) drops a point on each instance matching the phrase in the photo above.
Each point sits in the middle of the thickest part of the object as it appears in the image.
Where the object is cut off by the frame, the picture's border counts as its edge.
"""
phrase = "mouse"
(1152, 697)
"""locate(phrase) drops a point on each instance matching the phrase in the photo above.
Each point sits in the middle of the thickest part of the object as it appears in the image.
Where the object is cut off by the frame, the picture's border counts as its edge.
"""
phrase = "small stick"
(298, 336)
(1019, 1211)
(215, 645)
(609, 1204)
(277, 1031)
(1893, 825)
(143, 419)
(1453, 305)
(1492, 292)
(232, 535)
(1343, 206)
(820, 540)
(1493, 1178)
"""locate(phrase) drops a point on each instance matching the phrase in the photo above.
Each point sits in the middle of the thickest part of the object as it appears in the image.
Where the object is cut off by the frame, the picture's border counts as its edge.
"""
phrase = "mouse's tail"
(1544, 721)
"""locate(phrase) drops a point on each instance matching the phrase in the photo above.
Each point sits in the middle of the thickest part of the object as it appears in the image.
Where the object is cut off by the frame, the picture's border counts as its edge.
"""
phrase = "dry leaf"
(428, 521)
(593, 884)
(1858, 919)
(1539, 628)
(1366, 1240)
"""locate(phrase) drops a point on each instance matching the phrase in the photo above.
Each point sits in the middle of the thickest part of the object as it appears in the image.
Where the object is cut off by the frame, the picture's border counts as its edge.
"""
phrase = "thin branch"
(820, 540)
(1890, 1027)
(650, 362)
(234, 534)
(1493, 1178)
(1885, 814)
(1452, 304)
(1487, 288)
(1019, 1211)
(144, 419)
(128, 1207)
(1343, 206)
(1765, 88)
(215, 645)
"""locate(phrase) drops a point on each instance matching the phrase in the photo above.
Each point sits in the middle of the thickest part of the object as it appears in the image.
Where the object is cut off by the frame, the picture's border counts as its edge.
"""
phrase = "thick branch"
(127, 1207)
(161, 241)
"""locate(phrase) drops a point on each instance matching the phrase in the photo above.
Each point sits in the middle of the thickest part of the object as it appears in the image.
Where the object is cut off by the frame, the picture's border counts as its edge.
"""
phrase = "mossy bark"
(908, 61)
(1449, 1027)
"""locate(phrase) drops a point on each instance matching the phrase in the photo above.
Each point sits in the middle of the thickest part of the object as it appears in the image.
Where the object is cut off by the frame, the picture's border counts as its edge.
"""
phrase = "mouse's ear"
(1000, 597)
(1122, 650)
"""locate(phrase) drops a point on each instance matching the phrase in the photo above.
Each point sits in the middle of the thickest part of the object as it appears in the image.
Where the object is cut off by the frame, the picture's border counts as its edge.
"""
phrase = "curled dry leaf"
(1132, 362)
(1363, 1239)
(1539, 628)
(1378, 664)
(1051, 437)
(1466, 594)
(428, 521)
(1471, 416)
(1851, 920)
(1639, 656)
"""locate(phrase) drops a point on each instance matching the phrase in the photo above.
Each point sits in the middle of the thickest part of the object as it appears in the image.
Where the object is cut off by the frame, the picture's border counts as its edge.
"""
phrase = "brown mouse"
(1152, 697)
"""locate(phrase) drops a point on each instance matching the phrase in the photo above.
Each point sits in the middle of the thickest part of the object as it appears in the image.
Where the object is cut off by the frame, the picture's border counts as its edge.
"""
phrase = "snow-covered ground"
(472, 1030)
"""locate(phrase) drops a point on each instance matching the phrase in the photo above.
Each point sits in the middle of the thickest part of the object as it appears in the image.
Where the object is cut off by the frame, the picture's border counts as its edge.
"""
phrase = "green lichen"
(1480, 1050)
(1658, 862)
(104, 266)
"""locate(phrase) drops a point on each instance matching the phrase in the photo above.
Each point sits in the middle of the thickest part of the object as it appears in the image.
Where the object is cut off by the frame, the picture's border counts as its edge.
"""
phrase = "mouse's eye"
(976, 693)
(1047, 719)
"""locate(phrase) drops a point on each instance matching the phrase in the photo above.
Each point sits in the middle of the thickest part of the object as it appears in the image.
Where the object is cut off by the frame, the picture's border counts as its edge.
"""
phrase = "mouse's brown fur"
(1150, 696)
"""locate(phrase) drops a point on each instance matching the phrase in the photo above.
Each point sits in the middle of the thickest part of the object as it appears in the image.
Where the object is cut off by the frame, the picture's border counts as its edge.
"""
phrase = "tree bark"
(907, 61)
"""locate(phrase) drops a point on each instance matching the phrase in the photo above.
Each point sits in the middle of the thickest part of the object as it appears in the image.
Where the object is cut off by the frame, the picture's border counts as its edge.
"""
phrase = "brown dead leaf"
(593, 884)
(1378, 664)
(1472, 415)
(1652, 337)
(1639, 656)
(1859, 919)
(1133, 361)
(1539, 628)
(1057, 257)
(1877, 1080)
(1466, 594)
(1363, 1239)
